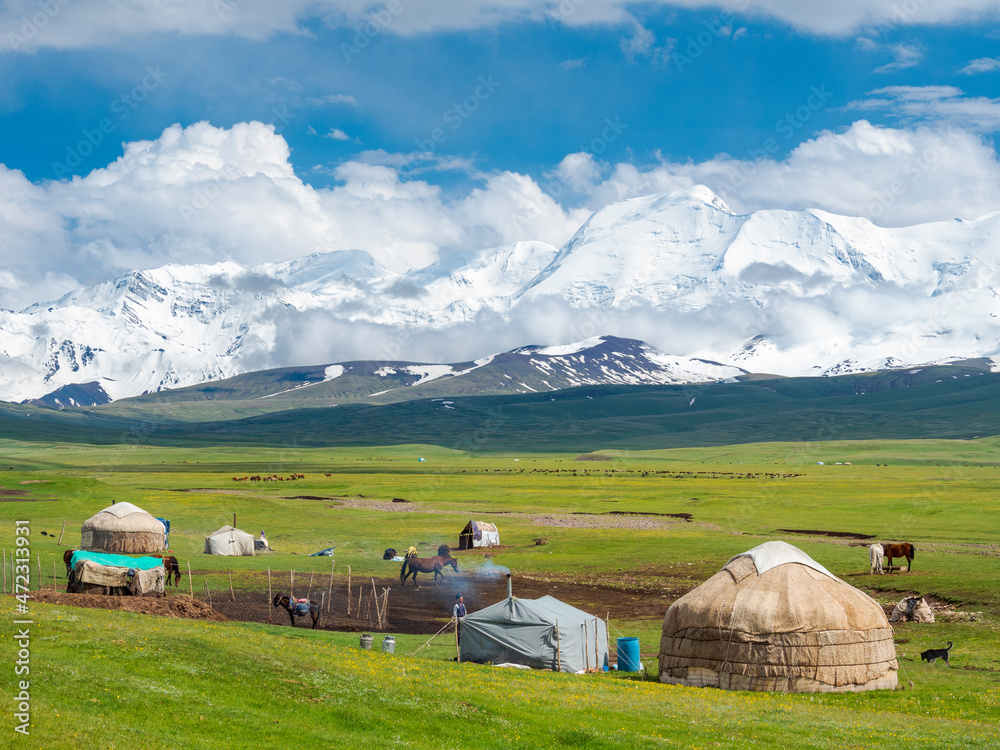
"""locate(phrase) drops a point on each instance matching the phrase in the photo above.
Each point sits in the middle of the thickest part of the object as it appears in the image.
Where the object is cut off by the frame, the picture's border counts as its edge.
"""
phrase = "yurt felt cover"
(229, 541)
(123, 527)
(523, 631)
(145, 580)
(795, 627)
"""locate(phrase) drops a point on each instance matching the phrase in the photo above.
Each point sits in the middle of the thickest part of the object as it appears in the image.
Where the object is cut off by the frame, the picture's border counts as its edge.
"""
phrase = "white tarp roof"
(772, 554)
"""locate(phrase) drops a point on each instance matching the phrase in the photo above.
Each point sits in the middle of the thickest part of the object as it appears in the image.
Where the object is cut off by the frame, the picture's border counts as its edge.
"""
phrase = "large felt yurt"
(775, 619)
(125, 528)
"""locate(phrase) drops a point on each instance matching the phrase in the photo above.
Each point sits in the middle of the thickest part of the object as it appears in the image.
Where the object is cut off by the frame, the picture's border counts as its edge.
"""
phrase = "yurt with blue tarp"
(96, 573)
(540, 633)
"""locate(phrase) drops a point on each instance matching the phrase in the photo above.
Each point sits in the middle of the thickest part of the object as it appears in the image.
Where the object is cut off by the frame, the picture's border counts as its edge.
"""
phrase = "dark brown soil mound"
(169, 606)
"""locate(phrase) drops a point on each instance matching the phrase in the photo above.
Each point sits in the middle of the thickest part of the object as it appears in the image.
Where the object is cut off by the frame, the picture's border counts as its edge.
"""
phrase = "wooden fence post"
(231, 592)
(61, 534)
(270, 598)
(291, 583)
(38, 559)
(348, 587)
(190, 582)
(328, 601)
(4, 590)
(53, 576)
(207, 592)
(309, 591)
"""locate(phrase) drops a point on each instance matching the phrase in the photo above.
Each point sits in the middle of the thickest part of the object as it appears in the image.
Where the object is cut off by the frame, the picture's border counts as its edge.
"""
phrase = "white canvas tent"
(540, 633)
(229, 541)
(478, 534)
(774, 619)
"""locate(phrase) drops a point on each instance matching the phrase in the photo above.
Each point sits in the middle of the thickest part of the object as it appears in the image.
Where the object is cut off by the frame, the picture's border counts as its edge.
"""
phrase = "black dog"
(932, 654)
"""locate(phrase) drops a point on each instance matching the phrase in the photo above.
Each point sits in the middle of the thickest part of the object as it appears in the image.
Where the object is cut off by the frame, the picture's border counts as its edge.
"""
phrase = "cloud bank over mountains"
(203, 194)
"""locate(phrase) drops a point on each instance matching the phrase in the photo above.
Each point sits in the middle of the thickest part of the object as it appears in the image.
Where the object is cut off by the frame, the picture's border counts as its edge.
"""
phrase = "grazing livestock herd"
(272, 478)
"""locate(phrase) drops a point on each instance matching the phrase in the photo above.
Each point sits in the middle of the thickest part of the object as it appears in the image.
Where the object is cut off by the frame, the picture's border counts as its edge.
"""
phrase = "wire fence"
(247, 596)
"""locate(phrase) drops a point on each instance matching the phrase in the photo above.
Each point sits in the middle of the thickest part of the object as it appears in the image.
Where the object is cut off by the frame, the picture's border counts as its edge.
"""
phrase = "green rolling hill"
(948, 402)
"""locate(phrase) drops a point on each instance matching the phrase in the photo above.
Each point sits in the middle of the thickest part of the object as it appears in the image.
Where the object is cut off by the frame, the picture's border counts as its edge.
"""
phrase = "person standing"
(459, 612)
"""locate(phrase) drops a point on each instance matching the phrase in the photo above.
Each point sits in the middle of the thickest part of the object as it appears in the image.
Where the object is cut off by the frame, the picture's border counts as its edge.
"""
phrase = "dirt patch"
(838, 534)
(36, 481)
(4, 492)
(686, 516)
(592, 457)
(168, 606)
(421, 611)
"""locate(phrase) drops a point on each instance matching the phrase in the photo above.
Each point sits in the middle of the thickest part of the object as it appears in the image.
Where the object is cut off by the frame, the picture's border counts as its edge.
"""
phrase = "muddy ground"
(411, 610)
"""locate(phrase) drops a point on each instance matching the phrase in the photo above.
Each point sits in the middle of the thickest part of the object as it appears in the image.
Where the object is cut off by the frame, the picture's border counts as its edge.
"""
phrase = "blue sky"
(555, 87)
(449, 111)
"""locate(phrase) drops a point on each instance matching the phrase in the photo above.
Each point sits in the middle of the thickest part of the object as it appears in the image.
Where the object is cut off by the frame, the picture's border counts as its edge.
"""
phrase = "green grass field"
(116, 679)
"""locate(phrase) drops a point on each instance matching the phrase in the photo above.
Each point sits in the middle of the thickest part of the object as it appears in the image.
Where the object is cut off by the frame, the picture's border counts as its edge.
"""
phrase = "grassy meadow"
(117, 679)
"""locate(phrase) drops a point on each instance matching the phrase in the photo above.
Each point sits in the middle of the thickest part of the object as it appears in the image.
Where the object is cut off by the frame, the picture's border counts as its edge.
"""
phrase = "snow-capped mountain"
(785, 292)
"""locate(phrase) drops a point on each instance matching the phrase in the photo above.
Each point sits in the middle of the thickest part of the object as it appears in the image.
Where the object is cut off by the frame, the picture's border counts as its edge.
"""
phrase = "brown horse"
(67, 556)
(904, 549)
(413, 565)
(300, 608)
(170, 565)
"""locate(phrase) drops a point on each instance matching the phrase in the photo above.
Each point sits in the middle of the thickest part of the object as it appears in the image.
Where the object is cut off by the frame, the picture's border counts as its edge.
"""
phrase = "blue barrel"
(628, 654)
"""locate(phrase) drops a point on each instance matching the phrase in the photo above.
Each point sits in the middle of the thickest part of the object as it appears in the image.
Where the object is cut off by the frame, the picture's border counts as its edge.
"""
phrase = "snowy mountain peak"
(785, 292)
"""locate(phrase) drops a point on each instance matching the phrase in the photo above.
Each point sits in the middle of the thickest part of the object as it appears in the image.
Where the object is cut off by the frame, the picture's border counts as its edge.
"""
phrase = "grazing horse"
(904, 549)
(413, 565)
(297, 608)
(875, 554)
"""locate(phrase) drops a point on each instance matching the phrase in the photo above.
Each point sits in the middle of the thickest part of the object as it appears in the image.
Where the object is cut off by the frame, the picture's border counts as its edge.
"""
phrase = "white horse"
(875, 554)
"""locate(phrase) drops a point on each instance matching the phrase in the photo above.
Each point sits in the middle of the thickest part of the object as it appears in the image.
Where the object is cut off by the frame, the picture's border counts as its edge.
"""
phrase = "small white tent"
(229, 541)
(478, 534)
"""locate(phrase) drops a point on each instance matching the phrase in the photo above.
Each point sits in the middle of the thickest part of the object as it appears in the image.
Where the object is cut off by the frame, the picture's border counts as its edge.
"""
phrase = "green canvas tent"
(540, 633)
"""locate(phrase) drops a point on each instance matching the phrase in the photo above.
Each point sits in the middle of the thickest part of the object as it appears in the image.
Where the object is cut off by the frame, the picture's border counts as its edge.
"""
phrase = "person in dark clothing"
(459, 612)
